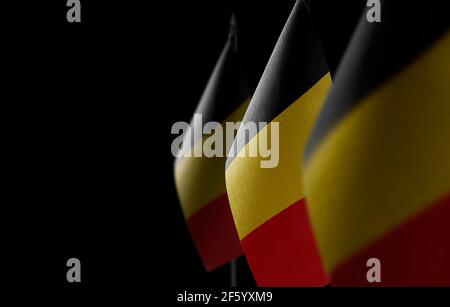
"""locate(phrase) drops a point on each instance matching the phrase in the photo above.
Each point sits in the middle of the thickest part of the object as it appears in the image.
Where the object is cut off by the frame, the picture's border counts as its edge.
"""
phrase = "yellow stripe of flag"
(194, 188)
(256, 194)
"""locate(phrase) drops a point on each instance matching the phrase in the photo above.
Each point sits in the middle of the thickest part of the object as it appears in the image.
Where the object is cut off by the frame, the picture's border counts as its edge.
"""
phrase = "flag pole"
(234, 41)
(232, 33)
(233, 275)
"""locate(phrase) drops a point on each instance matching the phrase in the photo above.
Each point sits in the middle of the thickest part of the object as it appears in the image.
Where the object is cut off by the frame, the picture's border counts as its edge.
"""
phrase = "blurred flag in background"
(200, 181)
(377, 166)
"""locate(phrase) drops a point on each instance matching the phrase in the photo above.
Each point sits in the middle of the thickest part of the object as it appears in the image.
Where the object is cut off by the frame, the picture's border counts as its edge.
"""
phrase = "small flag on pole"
(268, 204)
(200, 181)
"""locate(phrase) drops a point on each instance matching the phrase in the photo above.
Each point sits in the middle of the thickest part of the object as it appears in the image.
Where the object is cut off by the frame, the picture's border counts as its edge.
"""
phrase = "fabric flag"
(377, 166)
(200, 181)
(268, 204)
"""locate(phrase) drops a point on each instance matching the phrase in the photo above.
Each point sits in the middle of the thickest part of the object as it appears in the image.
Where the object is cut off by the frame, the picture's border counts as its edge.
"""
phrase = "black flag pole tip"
(233, 31)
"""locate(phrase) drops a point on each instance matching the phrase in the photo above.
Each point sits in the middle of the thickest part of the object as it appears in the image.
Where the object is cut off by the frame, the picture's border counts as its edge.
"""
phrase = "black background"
(92, 104)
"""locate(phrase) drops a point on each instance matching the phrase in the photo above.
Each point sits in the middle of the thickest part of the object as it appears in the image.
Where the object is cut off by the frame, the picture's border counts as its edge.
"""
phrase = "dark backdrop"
(93, 104)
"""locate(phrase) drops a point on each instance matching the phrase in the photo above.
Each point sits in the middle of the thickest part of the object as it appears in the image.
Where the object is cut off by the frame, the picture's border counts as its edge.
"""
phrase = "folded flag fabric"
(377, 166)
(200, 181)
(268, 204)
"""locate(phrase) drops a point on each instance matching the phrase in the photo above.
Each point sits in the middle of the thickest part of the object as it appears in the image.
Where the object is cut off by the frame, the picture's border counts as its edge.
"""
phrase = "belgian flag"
(377, 166)
(200, 181)
(268, 204)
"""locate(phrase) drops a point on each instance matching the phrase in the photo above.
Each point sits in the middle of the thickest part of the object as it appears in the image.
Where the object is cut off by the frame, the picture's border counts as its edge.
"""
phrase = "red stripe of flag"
(416, 253)
(214, 233)
(283, 249)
